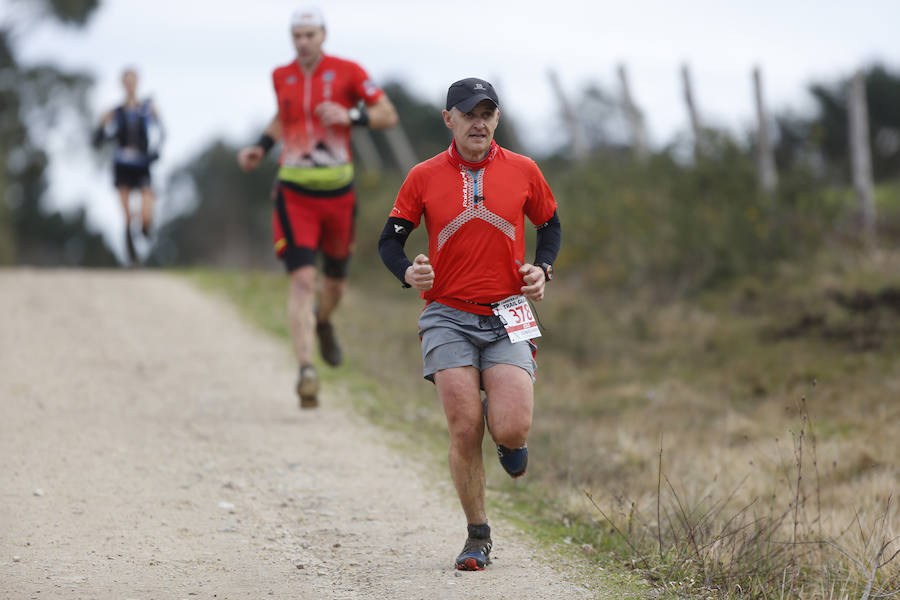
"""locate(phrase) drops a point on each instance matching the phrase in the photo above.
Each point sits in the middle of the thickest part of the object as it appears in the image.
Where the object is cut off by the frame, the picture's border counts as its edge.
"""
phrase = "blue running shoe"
(514, 460)
(476, 554)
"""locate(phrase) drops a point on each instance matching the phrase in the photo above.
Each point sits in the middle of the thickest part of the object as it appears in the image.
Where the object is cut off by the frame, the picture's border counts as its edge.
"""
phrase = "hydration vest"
(132, 126)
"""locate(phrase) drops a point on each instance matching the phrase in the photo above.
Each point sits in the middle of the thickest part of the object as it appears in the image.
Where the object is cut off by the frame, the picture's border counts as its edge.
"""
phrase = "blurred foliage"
(632, 225)
(421, 122)
(824, 137)
(33, 98)
(75, 12)
(231, 221)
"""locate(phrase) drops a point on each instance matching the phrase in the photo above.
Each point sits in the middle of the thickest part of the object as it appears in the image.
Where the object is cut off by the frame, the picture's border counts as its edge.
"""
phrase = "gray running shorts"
(455, 338)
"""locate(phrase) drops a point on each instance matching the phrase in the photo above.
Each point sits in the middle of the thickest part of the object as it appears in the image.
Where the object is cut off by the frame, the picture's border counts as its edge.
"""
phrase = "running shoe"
(328, 344)
(513, 460)
(308, 387)
(476, 553)
(129, 246)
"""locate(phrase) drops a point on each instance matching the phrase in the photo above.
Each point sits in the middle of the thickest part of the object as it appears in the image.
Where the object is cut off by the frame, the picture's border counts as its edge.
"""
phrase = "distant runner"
(137, 130)
(477, 326)
(320, 97)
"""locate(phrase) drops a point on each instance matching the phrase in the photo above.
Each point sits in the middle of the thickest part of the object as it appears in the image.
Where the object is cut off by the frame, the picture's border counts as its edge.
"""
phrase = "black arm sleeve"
(549, 237)
(99, 136)
(390, 247)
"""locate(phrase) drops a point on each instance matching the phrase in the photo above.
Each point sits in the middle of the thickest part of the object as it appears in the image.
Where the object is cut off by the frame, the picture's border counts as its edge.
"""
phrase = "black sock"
(481, 532)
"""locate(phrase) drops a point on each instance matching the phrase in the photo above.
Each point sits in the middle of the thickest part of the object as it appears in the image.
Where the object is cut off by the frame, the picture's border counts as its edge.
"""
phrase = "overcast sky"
(207, 63)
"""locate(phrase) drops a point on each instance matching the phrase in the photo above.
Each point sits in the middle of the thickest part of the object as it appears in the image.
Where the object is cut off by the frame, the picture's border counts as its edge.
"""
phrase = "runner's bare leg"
(124, 197)
(301, 297)
(330, 296)
(458, 391)
(147, 200)
(510, 394)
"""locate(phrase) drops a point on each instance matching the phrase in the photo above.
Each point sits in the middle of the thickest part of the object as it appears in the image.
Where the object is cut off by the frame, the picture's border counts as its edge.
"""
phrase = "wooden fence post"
(860, 157)
(576, 140)
(765, 158)
(401, 147)
(696, 125)
(366, 150)
(635, 118)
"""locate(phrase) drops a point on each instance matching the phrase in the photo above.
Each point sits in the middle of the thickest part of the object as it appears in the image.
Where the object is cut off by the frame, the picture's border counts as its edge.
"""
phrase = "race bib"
(515, 313)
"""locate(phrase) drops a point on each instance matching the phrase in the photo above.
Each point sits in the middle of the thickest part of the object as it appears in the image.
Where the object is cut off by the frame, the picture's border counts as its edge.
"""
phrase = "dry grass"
(768, 442)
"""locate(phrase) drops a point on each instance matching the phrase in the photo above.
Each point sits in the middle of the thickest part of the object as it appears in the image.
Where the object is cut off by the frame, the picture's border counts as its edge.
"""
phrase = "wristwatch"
(547, 269)
(358, 116)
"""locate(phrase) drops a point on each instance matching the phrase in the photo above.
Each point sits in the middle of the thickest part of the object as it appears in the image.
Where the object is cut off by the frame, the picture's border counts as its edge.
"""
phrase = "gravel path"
(150, 447)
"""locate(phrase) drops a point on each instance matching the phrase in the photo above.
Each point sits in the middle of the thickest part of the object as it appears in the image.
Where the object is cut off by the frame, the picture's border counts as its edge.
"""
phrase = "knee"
(466, 434)
(303, 282)
(333, 286)
(511, 431)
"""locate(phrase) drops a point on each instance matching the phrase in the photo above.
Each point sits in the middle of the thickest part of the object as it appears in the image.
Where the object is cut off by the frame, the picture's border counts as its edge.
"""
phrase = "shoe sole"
(470, 564)
(308, 390)
(331, 354)
(331, 360)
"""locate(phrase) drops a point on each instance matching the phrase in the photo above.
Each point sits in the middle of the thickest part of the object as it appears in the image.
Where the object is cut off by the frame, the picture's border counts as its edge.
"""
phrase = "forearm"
(549, 238)
(273, 129)
(99, 135)
(270, 135)
(382, 114)
(391, 247)
(156, 132)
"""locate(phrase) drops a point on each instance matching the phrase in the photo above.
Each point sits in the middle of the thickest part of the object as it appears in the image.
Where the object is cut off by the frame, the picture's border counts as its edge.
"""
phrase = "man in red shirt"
(476, 325)
(320, 97)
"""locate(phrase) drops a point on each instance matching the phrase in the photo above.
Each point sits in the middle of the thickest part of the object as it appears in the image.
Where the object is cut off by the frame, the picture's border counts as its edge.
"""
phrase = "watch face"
(353, 113)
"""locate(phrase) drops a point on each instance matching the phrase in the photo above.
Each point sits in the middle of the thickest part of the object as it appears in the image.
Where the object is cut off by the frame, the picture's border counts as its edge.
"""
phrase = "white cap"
(309, 16)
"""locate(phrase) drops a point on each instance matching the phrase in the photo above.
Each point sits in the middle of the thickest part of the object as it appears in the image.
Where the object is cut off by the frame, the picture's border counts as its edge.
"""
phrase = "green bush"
(680, 230)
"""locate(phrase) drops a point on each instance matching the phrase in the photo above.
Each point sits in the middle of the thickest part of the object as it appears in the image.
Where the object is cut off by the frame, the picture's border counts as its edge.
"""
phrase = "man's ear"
(446, 115)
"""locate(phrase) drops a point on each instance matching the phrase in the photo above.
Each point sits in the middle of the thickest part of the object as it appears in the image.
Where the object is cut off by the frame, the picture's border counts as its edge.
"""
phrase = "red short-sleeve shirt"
(475, 217)
(305, 141)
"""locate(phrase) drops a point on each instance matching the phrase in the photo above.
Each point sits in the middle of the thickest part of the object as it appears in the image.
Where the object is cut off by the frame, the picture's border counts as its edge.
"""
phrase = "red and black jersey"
(306, 143)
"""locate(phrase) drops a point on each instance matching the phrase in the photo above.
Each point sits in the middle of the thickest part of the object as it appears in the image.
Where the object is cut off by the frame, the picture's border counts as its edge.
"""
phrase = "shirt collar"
(459, 161)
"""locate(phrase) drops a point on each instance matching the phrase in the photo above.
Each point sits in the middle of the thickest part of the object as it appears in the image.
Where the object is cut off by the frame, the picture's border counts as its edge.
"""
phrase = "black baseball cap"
(466, 93)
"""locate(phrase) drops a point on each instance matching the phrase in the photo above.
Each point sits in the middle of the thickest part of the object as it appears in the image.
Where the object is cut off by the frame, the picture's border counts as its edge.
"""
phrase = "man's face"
(308, 42)
(129, 82)
(474, 130)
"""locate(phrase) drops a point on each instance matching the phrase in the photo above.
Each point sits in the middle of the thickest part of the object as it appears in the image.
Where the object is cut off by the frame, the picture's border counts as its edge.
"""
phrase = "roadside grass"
(775, 407)
(740, 443)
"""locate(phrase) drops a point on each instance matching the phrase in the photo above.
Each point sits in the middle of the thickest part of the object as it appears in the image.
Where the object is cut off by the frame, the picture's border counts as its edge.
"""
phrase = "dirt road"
(150, 447)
